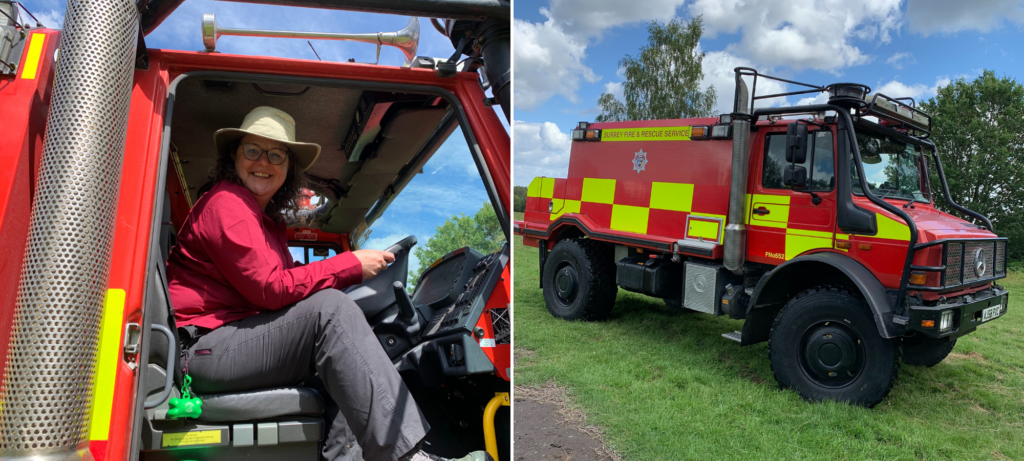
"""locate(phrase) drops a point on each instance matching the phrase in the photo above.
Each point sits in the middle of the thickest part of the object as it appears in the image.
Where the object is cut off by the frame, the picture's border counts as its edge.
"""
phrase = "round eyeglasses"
(254, 152)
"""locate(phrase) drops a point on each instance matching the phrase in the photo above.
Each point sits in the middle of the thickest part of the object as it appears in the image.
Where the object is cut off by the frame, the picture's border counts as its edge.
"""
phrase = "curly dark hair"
(285, 197)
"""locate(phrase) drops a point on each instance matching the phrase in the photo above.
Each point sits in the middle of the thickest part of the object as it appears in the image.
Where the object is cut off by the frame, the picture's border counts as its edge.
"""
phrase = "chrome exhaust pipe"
(48, 385)
(736, 229)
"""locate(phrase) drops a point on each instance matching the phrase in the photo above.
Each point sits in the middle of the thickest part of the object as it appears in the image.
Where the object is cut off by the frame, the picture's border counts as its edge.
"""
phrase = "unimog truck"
(814, 224)
(107, 144)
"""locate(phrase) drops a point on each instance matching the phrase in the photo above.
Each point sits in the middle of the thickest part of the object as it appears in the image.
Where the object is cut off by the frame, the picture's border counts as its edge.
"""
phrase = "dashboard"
(454, 290)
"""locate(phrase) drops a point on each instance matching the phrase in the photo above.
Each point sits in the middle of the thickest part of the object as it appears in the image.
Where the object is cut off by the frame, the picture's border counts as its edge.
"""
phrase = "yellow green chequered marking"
(671, 196)
(597, 190)
(629, 218)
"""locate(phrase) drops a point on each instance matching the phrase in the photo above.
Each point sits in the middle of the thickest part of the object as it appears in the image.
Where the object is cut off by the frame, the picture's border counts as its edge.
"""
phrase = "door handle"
(761, 211)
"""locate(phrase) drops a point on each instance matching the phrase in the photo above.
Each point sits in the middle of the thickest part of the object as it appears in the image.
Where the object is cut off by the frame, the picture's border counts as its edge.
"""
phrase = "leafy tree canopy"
(519, 198)
(978, 130)
(663, 81)
(480, 232)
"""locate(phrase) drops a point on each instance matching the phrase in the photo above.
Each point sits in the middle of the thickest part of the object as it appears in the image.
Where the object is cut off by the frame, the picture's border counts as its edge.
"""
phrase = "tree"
(481, 232)
(663, 81)
(978, 130)
(519, 198)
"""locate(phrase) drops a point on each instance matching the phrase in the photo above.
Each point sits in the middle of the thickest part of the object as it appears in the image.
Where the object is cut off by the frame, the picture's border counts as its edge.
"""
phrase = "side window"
(820, 161)
(306, 255)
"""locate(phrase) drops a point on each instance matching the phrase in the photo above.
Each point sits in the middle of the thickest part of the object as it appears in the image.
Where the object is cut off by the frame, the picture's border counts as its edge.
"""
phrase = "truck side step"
(735, 336)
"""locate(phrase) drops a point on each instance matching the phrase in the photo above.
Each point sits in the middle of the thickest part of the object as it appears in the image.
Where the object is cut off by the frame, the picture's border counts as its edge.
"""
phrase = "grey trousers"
(327, 334)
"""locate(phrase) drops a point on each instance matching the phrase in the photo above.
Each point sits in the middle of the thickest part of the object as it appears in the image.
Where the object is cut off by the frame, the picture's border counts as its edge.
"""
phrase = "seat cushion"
(262, 404)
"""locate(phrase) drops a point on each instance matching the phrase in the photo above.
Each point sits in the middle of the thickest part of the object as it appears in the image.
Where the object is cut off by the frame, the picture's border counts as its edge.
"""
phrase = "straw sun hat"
(270, 123)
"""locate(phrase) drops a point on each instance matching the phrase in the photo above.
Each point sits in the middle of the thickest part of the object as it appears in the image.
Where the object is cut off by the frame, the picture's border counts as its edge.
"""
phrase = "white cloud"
(549, 56)
(801, 35)
(590, 18)
(949, 16)
(52, 19)
(899, 60)
(718, 72)
(918, 91)
(547, 62)
(615, 88)
(541, 149)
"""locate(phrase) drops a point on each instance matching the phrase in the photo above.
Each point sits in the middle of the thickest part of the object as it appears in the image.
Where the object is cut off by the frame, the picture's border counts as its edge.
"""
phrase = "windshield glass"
(892, 168)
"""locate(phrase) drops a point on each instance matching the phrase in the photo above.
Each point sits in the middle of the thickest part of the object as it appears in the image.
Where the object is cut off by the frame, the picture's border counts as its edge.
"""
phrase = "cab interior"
(373, 142)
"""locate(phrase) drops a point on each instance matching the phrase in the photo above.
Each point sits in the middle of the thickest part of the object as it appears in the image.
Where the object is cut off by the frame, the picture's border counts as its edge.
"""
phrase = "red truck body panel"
(682, 192)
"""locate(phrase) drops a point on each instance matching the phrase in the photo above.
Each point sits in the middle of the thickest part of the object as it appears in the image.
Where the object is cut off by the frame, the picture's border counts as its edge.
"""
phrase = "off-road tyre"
(588, 263)
(824, 345)
(922, 351)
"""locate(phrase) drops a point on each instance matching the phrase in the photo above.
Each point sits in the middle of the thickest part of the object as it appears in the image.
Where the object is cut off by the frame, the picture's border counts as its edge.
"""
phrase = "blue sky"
(449, 184)
(566, 53)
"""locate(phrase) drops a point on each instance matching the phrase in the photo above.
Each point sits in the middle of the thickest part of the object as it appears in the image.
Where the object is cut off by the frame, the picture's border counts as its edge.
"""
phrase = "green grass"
(664, 384)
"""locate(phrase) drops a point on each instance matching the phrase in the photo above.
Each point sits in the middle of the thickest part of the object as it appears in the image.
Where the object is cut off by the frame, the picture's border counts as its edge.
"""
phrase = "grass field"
(664, 384)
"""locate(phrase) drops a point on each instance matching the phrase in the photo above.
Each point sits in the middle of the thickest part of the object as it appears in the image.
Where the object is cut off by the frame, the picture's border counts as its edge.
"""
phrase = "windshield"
(892, 168)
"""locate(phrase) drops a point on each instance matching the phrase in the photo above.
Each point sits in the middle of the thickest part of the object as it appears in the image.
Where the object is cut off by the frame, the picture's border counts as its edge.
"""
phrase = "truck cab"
(817, 225)
(92, 370)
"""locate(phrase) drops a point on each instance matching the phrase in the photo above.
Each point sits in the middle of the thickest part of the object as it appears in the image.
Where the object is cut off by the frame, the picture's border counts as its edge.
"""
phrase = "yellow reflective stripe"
(810, 233)
(664, 133)
(564, 206)
(749, 202)
(708, 230)
(797, 244)
(533, 190)
(35, 51)
(106, 363)
(599, 191)
(891, 229)
(671, 196)
(629, 218)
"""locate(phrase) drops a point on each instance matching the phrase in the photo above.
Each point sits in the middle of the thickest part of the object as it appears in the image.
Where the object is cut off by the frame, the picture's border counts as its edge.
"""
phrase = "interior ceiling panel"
(322, 116)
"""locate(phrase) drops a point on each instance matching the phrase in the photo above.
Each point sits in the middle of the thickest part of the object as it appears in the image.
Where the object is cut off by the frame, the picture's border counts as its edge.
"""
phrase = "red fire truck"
(107, 144)
(815, 224)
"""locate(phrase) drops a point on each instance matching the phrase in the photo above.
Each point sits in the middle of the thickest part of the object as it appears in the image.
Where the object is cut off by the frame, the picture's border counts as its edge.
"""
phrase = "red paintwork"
(24, 105)
(708, 165)
(501, 297)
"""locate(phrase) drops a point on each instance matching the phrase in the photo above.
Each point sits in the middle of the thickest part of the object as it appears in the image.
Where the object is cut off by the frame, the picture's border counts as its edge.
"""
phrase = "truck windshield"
(892, 168)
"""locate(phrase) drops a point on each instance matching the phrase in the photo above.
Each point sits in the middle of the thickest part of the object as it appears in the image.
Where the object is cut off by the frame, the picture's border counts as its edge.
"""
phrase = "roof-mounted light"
(848, 94)
(885, 107)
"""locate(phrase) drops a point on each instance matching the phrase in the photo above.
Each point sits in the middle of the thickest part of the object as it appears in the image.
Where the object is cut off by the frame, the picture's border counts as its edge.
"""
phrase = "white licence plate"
(990, 313)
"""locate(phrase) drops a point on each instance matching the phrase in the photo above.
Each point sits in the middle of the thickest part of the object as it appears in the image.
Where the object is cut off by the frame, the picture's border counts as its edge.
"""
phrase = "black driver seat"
(277, 423)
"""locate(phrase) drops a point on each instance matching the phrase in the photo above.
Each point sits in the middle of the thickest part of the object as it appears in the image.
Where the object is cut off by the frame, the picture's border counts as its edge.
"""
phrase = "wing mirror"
(795, 176)
(796, 143)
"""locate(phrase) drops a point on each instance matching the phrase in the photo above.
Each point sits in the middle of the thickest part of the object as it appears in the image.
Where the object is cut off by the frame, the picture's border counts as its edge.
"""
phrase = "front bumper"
(967, 312)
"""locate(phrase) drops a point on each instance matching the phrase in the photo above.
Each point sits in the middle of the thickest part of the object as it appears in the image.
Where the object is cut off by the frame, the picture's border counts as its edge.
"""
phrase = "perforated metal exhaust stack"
(47, 385)
(736, 231)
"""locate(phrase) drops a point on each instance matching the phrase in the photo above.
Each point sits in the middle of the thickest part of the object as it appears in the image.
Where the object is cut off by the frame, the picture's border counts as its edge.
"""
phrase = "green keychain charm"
(187, 406)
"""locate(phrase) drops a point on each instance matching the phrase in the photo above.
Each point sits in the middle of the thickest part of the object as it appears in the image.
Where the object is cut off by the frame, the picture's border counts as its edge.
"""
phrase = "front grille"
(974, 271)
(954, 254)
(1000, 258)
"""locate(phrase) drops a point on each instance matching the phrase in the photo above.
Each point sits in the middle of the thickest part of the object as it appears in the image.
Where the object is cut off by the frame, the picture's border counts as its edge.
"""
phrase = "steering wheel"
(377, 294)
(405, 244)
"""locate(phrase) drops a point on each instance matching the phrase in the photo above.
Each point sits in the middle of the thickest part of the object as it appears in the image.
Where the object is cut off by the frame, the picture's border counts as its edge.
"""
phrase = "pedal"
(735, 336)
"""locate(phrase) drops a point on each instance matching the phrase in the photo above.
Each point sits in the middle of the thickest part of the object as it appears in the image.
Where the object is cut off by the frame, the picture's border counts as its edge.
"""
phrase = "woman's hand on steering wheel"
(373, 261)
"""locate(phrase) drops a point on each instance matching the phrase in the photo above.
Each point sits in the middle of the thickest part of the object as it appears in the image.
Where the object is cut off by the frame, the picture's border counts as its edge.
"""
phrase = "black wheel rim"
(566, 283)
(831, 354)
